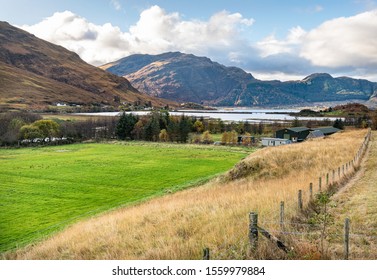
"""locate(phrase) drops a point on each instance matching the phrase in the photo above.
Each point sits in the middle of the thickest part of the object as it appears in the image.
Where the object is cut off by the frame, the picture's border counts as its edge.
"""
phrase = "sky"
(271, 39)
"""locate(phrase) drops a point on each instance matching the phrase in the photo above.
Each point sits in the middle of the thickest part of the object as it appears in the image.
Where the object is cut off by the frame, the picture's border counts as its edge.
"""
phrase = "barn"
(295, 134)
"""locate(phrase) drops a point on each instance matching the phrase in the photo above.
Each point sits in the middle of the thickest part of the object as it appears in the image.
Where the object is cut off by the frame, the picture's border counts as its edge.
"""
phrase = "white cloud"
(272, 46)
(156, 31)
(343, 42)
(276, 76)
(345, 46)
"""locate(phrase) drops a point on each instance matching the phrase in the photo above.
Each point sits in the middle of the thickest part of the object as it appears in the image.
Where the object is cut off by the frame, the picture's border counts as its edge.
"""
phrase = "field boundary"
(293, 222)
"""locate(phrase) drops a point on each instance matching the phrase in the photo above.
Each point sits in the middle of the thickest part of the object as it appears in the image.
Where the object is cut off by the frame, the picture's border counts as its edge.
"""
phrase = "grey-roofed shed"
(328, 130)
(315, 134)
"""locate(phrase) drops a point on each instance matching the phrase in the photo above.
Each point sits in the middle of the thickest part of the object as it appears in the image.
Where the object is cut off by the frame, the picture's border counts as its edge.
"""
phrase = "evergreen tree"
(184, 129)
(247, 127)
(338, 123)
(125, 126)
(173, 129)
(152, 128)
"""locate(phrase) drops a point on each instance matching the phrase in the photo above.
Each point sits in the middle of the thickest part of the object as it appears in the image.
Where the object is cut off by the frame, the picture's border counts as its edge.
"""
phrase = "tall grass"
(215, 215)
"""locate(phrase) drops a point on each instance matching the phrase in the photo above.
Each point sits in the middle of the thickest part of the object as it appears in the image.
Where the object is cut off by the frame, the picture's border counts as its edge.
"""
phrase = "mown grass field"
(45, 189)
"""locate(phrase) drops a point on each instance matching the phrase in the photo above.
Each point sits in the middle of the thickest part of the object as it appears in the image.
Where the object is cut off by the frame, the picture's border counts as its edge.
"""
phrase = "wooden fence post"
(300, 205)
(346, 238)
(311, 190)
(338, 172)
(320, 183)
(206, 254)
(282, 214)
(327, 179)
(253, 230)
(343, 169)
(333, 176)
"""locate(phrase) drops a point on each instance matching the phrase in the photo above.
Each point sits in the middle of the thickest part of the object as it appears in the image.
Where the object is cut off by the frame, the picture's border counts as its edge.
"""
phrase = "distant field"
(45, 189)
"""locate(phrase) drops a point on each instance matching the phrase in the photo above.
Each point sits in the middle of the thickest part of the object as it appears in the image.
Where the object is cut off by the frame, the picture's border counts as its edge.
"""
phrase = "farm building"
(275, 141)
(328, 130)
(295, 134)
(315, 134)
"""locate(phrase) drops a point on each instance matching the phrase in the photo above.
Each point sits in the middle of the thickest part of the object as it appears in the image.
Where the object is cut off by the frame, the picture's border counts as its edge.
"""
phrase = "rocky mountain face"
(182, 77)
(188, 78)
(36, 74)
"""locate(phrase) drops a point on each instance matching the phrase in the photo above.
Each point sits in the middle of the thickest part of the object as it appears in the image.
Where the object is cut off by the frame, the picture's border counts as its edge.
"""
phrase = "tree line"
(24, 128)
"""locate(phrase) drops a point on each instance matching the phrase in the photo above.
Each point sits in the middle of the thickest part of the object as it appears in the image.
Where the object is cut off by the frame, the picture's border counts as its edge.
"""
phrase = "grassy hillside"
(215, 215)
(44, 189)
(358, 202)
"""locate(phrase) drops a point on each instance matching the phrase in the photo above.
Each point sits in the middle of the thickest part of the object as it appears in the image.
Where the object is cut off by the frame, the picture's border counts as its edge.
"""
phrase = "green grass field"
(45, 189)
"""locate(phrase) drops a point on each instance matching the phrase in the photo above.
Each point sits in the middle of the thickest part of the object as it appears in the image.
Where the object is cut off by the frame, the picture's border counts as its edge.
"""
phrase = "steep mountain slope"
(184, 77)
(36, 74)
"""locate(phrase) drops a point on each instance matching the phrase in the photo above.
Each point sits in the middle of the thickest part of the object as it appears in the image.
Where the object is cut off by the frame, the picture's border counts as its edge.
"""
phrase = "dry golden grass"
(358, 202)
(215, 215)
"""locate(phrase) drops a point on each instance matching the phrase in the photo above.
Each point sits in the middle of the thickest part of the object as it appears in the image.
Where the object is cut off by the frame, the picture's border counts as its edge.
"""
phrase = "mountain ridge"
(37, 74)
(189, 78)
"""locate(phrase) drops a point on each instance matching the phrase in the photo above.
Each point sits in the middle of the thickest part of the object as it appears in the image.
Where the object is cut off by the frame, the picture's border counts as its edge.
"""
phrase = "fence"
(286, 220)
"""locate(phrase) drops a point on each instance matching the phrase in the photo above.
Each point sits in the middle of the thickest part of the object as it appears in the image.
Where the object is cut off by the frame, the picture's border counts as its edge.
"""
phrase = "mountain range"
(36, 74)
(188, 78)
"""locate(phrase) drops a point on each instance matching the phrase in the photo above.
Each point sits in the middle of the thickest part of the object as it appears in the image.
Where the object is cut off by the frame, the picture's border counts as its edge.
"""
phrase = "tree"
(225, 137)
(198, 126)
(233, 139)
(247, 139)
(173, 129)
(207, 137)
(247, 127)
(138, 131)
(163, 136)
(240, 128)
(11, 123)
(338, 123)
(30, 132)
(40, 129)
(260, 128)
(152, 129)
(125, 126)
(184, 129)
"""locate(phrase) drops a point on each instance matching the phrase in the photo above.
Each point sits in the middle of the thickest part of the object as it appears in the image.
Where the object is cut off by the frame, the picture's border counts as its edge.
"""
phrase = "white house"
(275, 141)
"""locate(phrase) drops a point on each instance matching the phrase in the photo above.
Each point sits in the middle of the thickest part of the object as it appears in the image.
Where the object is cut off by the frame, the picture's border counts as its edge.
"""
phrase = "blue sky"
(272, 39)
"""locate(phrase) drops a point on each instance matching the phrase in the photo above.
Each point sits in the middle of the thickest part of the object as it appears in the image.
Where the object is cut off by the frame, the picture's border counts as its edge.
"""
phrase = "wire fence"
(289, 223)
(304, 219)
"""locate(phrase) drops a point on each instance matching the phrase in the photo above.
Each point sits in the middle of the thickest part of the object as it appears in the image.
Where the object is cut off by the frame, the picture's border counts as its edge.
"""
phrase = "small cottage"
(295, 134)
(275, 142)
